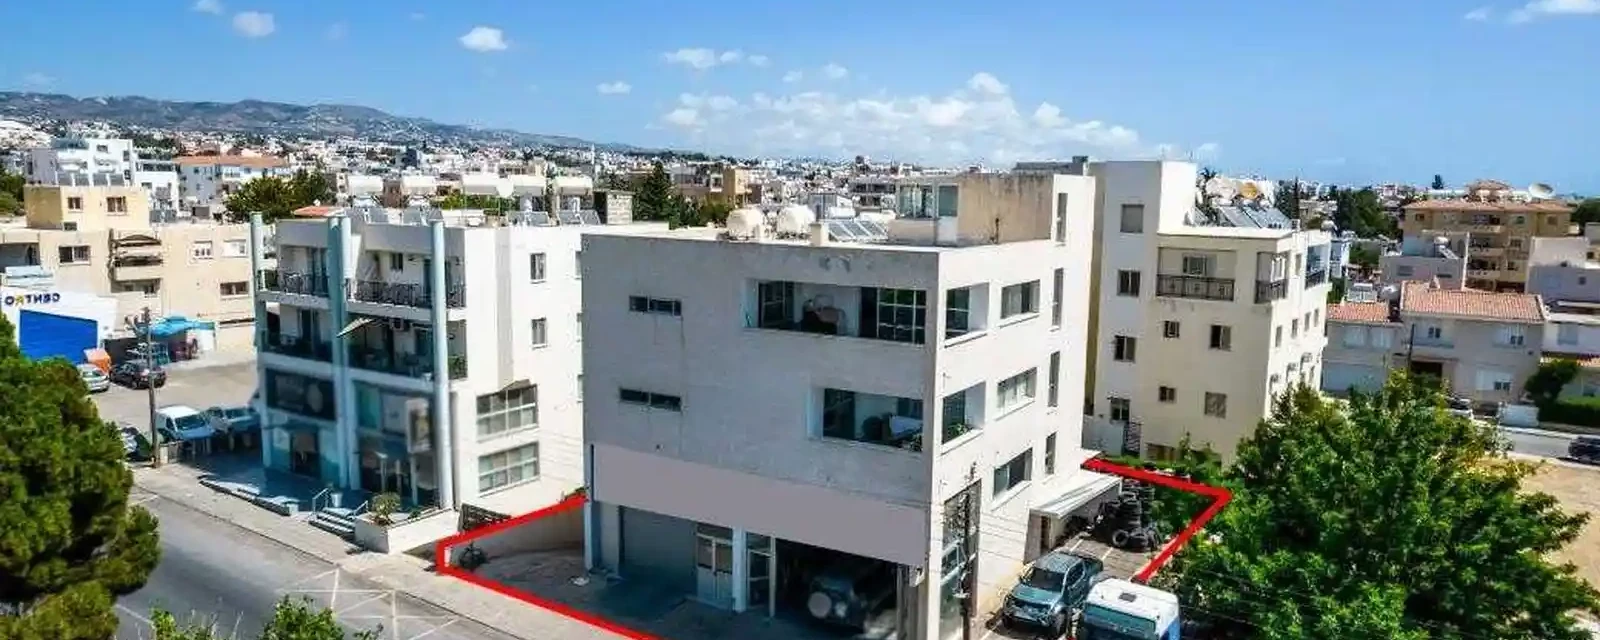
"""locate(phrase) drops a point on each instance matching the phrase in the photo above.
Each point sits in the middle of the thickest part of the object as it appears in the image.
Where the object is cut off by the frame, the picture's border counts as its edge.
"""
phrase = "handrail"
(361, 509)
(319, 496)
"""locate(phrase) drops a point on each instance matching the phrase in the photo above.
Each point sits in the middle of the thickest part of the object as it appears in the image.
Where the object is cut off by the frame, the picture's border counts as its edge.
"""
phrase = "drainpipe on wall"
(444, 456)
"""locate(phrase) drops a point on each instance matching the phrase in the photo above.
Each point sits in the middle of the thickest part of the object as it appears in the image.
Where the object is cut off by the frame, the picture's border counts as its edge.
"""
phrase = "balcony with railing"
(895, 315)
(1195, 287)
(1316, 276)
(136, 266)
(294, 346)
(294, 282)
(410, 365)
(872, 419)
(1271, 290)
(414, 295)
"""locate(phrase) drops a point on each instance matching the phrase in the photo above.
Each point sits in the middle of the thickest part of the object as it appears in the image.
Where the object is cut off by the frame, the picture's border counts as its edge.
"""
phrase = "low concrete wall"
(562, 529)
(401, 537)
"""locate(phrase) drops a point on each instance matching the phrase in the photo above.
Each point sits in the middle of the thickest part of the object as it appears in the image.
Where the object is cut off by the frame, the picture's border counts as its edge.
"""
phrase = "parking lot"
(196, 384)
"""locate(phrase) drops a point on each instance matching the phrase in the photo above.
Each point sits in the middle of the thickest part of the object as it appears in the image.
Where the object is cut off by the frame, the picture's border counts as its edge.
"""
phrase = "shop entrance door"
(714, 566)
(304, 458)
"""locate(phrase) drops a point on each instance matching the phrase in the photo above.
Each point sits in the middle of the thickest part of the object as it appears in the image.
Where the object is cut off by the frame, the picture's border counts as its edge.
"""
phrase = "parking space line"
(430, 631)
(136, 615)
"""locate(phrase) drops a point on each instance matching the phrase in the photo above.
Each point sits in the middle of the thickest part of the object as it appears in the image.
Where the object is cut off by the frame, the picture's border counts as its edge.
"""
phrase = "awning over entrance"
(1079, 489)
(174, 325)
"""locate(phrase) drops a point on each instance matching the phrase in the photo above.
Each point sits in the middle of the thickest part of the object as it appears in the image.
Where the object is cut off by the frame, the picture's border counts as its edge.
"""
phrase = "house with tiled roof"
(1502, 224)
(1483, 344)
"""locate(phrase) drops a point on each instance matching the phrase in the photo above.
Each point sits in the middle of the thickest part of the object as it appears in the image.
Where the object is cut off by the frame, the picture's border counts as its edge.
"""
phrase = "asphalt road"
(1535, 442)
(214, 572)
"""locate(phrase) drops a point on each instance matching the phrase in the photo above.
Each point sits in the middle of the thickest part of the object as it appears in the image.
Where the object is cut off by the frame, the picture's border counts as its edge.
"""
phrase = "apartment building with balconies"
(1502, 225)
(760, 403)
(208, 180)
(433, 354)
(96, 234)
(1202, 313)
(81, 156)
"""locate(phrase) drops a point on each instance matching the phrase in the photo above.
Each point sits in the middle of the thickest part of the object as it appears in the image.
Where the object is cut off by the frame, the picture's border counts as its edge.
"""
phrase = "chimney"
(819, 235)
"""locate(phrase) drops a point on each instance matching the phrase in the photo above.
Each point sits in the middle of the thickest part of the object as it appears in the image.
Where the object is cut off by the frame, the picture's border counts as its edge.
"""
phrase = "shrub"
(1581, 412)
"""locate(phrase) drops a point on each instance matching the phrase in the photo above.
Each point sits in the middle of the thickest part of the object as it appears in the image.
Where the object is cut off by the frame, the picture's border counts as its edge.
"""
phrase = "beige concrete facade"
(198, 270)
(1502, 231)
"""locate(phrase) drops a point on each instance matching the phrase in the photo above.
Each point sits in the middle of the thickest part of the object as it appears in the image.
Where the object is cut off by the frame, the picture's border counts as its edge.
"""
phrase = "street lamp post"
(150, 385)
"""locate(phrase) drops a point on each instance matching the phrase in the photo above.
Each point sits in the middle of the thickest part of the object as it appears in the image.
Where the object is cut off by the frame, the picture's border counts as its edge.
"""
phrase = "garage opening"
(47, 335)
(839, 594)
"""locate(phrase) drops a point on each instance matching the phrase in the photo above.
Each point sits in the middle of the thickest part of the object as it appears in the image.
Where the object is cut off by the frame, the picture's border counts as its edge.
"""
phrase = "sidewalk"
(403, 573)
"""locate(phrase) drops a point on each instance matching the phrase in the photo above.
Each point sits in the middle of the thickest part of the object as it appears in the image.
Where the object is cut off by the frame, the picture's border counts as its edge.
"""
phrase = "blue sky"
(1348, 90)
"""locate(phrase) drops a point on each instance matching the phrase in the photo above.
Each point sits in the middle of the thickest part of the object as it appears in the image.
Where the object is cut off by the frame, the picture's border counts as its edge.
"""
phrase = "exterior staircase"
(336, 520)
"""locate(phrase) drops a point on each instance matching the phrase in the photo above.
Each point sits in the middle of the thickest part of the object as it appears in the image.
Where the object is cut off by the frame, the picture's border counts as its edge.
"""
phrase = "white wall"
(103, 310)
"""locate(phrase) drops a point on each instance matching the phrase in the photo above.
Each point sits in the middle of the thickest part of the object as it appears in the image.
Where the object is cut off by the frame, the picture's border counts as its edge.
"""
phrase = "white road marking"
(333, 600)
(136, 615)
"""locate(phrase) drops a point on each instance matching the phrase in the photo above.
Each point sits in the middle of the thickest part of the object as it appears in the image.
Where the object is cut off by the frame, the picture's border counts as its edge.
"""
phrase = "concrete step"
(333, 523)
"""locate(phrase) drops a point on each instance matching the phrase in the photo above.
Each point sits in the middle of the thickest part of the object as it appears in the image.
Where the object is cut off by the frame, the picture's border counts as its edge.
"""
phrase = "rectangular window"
(508, 468)
(1170, 329)
(1015, 390)
(536, 267)
(1222, 337)
(1566, 334)
(1050, 454)
(1294, 328)
(1058, 289)
(1128, 283)
(1513, 336)
(235, 289)
(540, 335)
(1061, 218)
(116, 204)
(955, 416)
(660, 306)
(1217, 404)
(1053, 393)
(1019, 299)
(236, 248)
(900, 315)
(1167, 394)
(1133, 218)
(74, 203)
(1123, 348)
(1013, 473)
(652, 400)
(1277, 336)
(1382, 339)
(75, 254)
(957, 312)
(1199, 265)
(397, 261)
(200, 250)
(1121, 409)
(775, 304)
(1404, 270)
(508, 411)
(1355, 337)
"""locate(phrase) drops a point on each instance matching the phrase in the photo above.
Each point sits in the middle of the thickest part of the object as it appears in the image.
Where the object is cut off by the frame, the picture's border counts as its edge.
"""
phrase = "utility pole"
(968, 582)
(150, 385)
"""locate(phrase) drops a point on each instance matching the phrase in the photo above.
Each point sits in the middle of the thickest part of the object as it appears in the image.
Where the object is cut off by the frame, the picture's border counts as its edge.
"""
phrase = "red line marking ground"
(1220, 498)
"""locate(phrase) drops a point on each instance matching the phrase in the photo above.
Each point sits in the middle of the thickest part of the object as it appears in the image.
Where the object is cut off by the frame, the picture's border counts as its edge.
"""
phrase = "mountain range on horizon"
(274, 118)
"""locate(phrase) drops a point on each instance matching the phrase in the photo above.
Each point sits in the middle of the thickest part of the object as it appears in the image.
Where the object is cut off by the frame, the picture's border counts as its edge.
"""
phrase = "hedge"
(1581, 412)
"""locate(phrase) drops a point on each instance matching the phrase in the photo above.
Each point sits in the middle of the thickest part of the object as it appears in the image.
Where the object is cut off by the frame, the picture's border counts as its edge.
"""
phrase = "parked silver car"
(93, 378)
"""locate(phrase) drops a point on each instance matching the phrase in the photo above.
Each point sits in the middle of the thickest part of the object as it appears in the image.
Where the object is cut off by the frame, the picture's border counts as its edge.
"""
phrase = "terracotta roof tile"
(1584, 360)
(1422, 298)
(314, 211)
(1366, 312)
(258, 162)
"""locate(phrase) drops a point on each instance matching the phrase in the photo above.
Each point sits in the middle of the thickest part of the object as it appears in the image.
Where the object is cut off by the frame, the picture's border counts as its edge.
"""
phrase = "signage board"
(22, 299)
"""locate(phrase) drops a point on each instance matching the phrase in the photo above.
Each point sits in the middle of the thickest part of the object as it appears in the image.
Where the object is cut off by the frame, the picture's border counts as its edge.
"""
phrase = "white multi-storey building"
(431, 354)
(81, 155)
(836, 394)
(209, 180)
(1202, 315)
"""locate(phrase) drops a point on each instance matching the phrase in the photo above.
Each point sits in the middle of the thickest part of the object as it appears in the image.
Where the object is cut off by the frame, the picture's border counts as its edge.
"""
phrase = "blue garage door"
(46, 335)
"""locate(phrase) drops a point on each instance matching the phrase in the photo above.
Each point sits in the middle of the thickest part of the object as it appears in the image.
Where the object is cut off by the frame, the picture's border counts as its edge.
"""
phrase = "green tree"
(11, 192)
(1438, 182)
(1287, 198)
(291, 620)
(1362, 212)
(70, 542)
(1588, 211)
(1364, 257)
(1389, 519)
(276, 197)
(9, 205)
(1546, 383)
(655, 199)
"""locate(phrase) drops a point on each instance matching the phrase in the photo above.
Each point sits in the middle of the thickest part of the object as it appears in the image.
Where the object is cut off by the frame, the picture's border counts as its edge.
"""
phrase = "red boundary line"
(1220, 498)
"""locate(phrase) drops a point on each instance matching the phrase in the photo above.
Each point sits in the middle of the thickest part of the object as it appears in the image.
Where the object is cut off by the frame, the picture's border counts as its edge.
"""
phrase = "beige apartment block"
(1502, 228)
(101, 240)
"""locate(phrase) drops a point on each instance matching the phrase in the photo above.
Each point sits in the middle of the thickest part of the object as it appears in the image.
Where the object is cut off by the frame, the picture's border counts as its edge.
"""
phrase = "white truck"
(1123, 610)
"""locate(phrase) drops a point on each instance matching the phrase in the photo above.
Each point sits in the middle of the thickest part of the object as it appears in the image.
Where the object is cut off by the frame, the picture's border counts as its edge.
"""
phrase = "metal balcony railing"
(1198, 287)
(298, 283)
(406, 294)
(1270, 290)
(1316, 277)
(297, 346)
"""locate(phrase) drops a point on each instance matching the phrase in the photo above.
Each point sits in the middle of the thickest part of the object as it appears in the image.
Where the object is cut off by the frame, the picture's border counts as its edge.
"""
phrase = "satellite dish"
(1540, 191)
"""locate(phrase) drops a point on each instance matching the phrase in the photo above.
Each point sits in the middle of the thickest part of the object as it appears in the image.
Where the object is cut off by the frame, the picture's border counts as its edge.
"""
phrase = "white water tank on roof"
(795, 219)
(744, 223)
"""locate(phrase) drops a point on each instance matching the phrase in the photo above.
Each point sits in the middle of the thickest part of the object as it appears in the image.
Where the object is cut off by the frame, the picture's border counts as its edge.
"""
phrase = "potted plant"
(383, 508)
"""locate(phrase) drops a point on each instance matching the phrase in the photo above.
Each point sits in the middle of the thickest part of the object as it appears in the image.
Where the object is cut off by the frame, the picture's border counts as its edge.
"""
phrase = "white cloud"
(254, 24)
(485, 39)
(1551, 8)
(336, 31)
(1480, 14)
(977, 121)
(1207, 150)
(208, 6)
(613, 88)
(793, 76)
(37, 79)
(701, 58)
(418, 16)
(834, 71)
(985, 83)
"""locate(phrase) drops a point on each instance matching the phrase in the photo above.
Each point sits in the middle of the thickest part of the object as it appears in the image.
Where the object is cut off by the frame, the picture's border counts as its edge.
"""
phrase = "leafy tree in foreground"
(278, 197)
(70, 542)
(291, 620)
(1391, 519)
(1546, 383)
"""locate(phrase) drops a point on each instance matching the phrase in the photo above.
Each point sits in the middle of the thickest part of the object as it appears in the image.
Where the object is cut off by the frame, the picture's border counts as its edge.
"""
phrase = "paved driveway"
(190, 384)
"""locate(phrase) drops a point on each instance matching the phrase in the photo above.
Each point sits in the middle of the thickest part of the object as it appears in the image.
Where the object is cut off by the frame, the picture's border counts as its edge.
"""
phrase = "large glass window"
(1019, 299)
(508, 411)
(1013, 473)
(776, 309)
(900, 315)
(957, 312)
(1016, 389)
(510, 467)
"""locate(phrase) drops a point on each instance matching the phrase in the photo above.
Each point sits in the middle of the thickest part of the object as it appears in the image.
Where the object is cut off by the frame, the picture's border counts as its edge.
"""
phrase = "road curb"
(337, 561)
